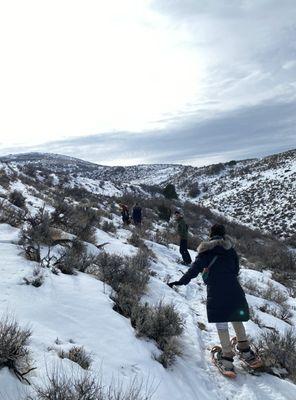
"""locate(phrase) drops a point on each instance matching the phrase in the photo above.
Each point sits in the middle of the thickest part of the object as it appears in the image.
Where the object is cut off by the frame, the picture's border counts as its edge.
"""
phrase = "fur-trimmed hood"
(225, 242)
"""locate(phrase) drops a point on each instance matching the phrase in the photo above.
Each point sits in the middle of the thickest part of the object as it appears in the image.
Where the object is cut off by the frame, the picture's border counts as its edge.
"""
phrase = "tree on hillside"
(169, 192)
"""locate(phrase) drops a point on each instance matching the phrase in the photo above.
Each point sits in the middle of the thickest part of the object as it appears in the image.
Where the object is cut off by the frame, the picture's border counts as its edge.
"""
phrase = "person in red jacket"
(125, 214)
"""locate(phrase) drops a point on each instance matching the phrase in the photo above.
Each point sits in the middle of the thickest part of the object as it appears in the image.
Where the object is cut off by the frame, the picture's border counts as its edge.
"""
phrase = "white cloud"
(76, 68)
(290, 64)
(79, 67)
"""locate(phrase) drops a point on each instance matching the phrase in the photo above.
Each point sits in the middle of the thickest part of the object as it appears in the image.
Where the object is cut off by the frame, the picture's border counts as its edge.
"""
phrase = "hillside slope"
(69, 310)
(260, 193)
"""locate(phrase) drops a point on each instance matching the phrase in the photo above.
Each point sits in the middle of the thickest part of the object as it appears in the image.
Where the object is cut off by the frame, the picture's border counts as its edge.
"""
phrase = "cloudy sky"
(142, 81)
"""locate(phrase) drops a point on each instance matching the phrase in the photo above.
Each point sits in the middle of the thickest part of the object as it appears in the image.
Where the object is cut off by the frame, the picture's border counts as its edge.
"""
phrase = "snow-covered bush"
(17, 199)
(79, 355)
(251, 287)
(279, 350)
(14, 352)
(283, 312)
(37, 278)
(272, 293)
(163, 324)
(255, 317)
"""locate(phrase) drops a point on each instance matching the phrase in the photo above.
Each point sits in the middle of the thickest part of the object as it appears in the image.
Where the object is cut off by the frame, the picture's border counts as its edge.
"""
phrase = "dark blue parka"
(137, 214)
(226, 301)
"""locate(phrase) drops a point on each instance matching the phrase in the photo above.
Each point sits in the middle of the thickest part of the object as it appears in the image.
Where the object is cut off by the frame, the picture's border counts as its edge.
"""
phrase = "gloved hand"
(171, 284)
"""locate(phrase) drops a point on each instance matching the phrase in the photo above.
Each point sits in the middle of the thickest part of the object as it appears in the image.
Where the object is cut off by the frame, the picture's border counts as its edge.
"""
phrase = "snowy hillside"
(259, 193)
(77, 310)
(52, 285)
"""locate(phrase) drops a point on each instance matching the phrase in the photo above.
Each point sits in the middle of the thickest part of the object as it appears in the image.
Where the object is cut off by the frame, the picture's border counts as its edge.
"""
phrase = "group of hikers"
(136, 216)
(218, 263)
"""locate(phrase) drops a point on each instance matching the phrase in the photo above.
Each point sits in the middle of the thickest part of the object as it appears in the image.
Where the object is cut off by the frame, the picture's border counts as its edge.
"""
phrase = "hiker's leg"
(181, 249)
(187, 254)
(184, 251)
(242, 340)
(223, 332)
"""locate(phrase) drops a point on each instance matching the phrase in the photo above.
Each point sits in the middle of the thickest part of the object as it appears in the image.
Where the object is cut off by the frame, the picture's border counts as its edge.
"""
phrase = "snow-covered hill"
(260, 193)
(78, 310)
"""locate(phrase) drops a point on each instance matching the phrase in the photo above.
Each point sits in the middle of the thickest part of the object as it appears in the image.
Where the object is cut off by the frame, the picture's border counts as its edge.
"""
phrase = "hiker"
(182, 229)
(226, 301)
(137, 214)
(125, 214)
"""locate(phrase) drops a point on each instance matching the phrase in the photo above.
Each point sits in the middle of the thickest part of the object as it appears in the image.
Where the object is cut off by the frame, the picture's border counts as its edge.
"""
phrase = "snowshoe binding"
(224, 364)
(248, 357)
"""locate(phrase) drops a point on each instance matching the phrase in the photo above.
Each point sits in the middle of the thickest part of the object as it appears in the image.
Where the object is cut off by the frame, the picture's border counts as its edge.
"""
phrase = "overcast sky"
(142, 81)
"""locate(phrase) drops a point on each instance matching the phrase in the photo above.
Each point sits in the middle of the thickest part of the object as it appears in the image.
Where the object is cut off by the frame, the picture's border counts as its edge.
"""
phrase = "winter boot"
(224, 364)
(247, 356)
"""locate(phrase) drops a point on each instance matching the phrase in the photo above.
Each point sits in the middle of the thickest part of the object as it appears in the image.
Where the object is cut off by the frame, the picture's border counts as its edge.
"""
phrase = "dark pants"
(137, 221)
(184, 251)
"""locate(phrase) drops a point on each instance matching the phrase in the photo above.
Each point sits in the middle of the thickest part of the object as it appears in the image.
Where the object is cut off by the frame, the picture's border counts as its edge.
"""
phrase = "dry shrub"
(59, 386)
(136, 240)
(163, 324)
(278, 350)
(281, 312)
(255, 317)
(272, 293)
(79, 355)
(74, 258)
(36, 232)
(78, 220)
(119, 271)
(108, 227)
(251, 287)
(37, 278)
(17, 199)
(4, 180)
(10, 214)
(14, 352)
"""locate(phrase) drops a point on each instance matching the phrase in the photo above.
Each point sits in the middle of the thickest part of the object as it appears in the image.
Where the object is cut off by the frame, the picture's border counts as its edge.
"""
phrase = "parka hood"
(226, 242)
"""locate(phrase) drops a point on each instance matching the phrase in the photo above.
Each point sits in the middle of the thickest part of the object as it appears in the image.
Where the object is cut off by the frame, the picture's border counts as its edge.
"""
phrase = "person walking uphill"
(182, 229)
(137, 214)
(125, 214)
(226, 301)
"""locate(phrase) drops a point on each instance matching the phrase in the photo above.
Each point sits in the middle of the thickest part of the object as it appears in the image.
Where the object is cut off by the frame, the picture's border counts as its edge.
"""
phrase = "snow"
(78, 309)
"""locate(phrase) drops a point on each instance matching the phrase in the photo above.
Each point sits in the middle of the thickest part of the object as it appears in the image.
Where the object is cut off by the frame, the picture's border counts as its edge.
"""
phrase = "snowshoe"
(248, 357)
(224, 365)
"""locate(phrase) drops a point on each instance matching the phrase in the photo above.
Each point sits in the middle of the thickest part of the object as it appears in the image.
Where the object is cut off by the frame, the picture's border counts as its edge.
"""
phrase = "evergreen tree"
(170, 192)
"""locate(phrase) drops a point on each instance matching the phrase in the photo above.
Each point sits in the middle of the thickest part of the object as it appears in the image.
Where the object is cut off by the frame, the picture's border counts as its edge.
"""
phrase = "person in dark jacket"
(125, 214)
(182, 229)
(226, 301)
(137, 215)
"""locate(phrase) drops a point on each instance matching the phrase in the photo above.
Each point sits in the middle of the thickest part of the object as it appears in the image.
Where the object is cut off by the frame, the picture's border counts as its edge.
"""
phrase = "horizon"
(148, 81)
(144, 164)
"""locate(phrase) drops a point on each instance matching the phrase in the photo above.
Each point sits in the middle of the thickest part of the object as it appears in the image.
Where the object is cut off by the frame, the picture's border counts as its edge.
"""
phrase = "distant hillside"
(258, 192)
